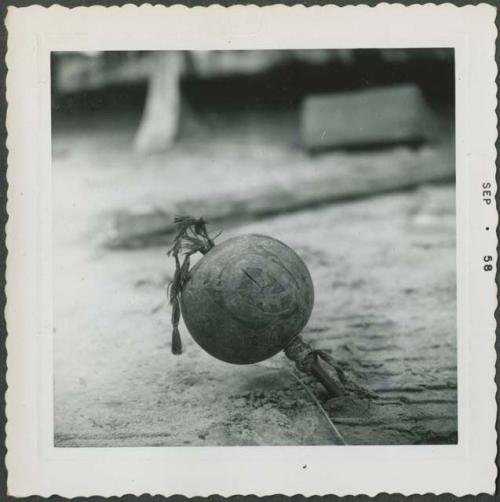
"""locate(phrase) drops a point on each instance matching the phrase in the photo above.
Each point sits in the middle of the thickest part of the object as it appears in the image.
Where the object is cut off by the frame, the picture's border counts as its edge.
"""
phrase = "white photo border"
(35, 466)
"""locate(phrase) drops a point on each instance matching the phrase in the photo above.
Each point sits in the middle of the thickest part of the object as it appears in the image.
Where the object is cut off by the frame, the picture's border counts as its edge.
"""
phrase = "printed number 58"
(487, 266)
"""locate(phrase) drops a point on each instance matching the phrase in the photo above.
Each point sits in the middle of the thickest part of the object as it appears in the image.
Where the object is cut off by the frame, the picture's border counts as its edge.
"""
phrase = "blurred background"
(243, 96)
(346, 155)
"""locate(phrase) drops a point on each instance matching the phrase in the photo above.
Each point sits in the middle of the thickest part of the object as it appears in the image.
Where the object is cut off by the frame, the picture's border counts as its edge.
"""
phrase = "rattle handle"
(307, 360)
(325, 379)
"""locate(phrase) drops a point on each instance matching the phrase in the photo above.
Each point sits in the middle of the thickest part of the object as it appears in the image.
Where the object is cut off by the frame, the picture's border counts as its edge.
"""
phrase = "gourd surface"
(247, 298)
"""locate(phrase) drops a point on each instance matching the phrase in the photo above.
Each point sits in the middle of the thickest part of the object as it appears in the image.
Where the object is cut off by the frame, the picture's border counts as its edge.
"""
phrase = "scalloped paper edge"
(35, 467)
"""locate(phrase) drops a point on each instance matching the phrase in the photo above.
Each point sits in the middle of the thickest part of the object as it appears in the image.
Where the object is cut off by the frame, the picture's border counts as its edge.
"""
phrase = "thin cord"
(336, 432)
(318, 404)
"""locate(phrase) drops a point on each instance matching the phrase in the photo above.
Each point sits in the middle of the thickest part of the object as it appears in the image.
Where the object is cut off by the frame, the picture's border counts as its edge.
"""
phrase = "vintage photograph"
(254, 247)
(251, 250)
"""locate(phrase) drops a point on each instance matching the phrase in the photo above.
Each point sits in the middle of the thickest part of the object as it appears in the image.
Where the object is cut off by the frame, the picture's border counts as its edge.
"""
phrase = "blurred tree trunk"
(160, 119)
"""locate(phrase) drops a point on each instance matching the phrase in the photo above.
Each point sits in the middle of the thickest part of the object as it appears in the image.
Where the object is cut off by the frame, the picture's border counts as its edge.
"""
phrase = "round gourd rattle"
(245, 300)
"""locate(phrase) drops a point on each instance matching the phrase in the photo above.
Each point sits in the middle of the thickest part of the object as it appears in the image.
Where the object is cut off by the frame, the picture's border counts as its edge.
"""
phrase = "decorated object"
(245, 300)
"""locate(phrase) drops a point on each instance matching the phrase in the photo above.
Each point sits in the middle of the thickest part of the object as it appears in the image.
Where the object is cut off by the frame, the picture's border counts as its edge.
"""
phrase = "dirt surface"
(384, 276)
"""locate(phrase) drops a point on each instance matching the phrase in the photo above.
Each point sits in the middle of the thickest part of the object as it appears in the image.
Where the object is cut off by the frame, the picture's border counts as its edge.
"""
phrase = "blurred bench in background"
(315, 71)
(318, 99)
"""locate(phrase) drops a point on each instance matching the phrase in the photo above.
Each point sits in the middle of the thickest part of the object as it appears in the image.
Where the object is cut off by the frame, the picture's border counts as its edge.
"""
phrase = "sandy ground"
(384, 275)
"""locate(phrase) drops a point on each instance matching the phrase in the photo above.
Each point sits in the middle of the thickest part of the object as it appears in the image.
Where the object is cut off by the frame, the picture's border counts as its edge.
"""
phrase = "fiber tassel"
(176, 336)
(192, 237)
(176, 341)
